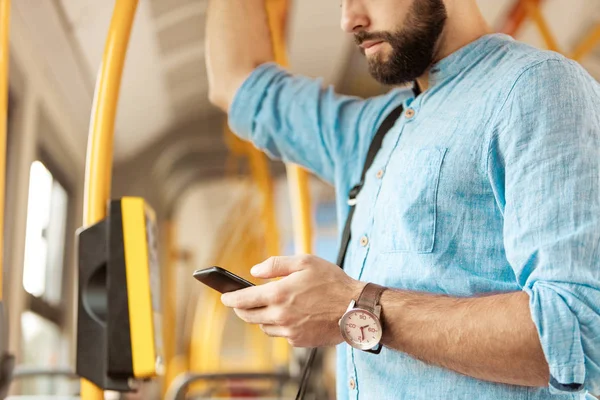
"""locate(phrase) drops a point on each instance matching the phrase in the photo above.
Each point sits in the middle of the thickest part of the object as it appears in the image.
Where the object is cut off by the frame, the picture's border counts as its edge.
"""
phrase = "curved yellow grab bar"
(4, 51)
(588, 44)
(535, 13)
(277, 11)
(100, 142)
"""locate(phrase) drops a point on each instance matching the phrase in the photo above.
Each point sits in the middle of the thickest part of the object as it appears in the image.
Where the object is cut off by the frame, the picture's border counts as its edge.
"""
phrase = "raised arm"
(288, 116)
(237, 41)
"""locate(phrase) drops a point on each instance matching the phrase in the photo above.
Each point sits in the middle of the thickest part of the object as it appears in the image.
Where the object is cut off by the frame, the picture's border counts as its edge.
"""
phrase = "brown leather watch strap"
(369, 297)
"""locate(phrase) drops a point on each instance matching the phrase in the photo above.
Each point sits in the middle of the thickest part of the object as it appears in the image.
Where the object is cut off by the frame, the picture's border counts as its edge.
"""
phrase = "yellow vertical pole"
(300, 199)
(587, 44)
(536, 15)
(259, 168)
(4, 51)
(100, 142)
(277, 11)
(207, 335)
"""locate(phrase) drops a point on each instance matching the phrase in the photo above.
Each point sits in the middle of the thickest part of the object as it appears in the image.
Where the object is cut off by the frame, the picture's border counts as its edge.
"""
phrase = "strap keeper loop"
(354, 192)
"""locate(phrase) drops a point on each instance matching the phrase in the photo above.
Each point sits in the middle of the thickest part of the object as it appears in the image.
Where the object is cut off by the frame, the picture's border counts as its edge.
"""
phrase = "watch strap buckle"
(376, 349)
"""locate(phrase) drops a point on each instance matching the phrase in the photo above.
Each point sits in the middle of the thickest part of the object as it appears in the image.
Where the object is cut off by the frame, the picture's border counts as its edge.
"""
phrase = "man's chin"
(387, 77)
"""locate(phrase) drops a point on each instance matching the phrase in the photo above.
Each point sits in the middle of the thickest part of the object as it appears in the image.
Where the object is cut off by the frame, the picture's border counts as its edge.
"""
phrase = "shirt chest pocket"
(407, 204)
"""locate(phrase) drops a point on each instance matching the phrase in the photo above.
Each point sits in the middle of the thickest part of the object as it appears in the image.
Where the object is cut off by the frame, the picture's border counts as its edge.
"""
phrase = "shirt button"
(410, 113)
(380, 174)
(364, 241)
(352, 384)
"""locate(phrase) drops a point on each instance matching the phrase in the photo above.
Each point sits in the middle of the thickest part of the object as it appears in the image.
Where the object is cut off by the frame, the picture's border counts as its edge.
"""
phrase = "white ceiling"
(164, 81)
(144, 109)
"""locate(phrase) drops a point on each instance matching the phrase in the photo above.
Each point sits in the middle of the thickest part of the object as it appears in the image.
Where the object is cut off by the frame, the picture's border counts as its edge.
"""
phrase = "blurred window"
(44, 344)
(46, 235)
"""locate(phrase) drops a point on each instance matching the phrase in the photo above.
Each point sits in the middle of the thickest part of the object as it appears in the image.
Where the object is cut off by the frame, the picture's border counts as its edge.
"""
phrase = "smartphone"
(221, 280)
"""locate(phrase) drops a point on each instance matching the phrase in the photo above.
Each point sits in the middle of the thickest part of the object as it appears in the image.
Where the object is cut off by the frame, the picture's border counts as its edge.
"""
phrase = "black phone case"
(221, 280)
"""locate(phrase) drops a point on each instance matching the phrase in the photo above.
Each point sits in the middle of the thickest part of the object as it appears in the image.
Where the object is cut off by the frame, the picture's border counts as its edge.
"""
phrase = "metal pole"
(6, 359)
(34, 372)
(515, 18)
(100, 142)
(277, 11)
(259, 168)
(182, 382)
(301, 208)
(587, 44)
(168, 297)
(4, 51)
(538, 18)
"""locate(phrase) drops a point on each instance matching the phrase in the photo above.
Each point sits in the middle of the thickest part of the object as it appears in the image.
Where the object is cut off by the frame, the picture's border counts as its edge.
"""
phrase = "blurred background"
(172, 148)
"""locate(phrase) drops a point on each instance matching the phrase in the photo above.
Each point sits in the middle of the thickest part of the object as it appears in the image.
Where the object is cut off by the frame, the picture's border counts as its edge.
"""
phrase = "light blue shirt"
(492, 186)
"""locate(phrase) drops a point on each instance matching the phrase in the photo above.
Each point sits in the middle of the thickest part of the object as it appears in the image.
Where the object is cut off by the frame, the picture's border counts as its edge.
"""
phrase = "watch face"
(361, 329)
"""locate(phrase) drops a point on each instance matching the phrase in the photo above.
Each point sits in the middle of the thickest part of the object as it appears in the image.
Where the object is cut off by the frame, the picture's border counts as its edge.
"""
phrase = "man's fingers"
(274, 330)
(255, 315)
(272, 315)
(252, 297)
(280, 266)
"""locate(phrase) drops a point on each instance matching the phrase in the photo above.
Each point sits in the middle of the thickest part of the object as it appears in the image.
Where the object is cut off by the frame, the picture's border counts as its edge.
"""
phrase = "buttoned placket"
(363, 241)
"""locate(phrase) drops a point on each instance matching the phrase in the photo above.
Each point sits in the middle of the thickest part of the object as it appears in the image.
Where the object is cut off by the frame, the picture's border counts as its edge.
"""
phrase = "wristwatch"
(361, 325)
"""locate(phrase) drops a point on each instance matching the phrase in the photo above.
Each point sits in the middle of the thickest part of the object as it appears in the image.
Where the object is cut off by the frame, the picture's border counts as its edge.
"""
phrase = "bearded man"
(472, 259)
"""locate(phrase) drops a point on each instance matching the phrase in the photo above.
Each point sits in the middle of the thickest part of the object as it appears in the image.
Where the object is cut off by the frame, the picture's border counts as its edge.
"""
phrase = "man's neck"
(459, 31)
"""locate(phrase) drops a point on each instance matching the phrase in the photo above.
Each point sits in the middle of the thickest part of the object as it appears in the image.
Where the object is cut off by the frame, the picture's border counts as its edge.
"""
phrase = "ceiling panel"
(164, 7)
(187, 32)
(144, 112)
(180, 36)
(180, 76)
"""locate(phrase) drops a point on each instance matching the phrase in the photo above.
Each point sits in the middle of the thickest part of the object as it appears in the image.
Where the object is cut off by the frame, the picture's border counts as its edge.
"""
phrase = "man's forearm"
(492, 338)
(237, 41)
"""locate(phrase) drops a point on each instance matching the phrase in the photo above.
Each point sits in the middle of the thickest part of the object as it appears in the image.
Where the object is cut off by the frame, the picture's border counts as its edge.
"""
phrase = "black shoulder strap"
(385, 127)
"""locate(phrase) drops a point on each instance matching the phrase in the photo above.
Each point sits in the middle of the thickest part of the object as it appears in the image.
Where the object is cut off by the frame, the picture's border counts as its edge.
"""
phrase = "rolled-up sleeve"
(544, 162)
(297, 120)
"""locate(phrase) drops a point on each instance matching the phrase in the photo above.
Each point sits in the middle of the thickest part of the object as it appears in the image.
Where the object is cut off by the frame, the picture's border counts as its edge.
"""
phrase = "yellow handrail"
(238, 249)
(536, 15)
(4, 51)
(277, 11)
(99, 156)
(168, 297)
(587, 44)
(301, 206)
(259, 169)
(100, 142)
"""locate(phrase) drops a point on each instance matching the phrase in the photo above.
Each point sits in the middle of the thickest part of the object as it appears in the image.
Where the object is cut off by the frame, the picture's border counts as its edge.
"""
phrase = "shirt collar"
(463, 58)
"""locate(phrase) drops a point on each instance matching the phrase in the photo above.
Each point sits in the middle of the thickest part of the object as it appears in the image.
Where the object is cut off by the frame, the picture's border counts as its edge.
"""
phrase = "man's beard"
(413, 46)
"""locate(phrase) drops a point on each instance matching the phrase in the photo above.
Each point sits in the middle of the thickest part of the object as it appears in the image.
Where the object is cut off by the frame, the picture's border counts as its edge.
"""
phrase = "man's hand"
(304, 307)
(237, 41)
